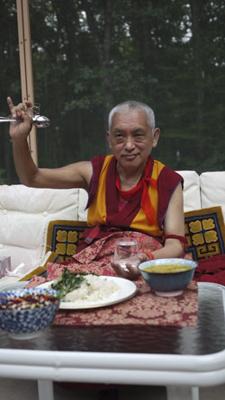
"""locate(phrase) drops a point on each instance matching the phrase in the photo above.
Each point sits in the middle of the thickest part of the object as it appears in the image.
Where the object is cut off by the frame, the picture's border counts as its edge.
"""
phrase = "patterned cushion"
(205, 232)
(62, 238)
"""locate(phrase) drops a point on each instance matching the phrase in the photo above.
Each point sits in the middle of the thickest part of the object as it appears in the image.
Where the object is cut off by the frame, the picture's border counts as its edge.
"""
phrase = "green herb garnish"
(68, 282)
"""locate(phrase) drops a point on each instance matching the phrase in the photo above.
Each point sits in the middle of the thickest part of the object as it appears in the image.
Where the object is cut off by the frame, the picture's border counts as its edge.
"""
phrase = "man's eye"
(139, 136)
(119, 136)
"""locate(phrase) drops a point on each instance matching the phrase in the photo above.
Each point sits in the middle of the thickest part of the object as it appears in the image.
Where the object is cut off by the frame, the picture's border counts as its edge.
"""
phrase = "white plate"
(127, 289)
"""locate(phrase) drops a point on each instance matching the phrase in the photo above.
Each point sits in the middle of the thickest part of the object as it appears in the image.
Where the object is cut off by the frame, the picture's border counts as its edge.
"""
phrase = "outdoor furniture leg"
(45, 389)
(182, 392)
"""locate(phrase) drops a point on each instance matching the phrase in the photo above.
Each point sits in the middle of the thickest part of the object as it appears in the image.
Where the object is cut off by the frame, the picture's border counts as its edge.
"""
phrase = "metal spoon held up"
(38, 120)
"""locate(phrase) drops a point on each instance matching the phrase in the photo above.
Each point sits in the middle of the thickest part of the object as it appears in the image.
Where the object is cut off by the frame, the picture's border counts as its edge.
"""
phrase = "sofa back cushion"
(191, 190)
(213, 189)
(25, 214)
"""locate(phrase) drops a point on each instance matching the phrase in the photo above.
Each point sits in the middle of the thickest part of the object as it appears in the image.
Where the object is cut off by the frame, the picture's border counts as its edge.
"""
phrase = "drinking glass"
(126, 251)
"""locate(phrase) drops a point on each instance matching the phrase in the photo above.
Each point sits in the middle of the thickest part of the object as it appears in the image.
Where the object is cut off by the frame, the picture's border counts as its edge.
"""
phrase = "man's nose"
(129, 143)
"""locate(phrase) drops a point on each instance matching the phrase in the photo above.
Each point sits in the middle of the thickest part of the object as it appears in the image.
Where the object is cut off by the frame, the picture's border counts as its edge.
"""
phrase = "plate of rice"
(95, 291)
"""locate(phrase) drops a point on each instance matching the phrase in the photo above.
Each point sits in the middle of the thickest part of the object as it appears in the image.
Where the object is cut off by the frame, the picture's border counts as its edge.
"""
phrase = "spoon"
(38, 120)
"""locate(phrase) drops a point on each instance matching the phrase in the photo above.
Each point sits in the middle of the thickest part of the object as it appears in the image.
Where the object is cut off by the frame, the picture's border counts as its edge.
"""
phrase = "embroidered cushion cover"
(205, 232)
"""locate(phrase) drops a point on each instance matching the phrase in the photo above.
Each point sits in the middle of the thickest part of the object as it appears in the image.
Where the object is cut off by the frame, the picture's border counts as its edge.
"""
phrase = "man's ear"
(156, 134)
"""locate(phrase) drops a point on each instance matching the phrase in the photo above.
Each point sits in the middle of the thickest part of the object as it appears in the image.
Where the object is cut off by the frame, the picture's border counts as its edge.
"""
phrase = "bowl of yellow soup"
(168, 276)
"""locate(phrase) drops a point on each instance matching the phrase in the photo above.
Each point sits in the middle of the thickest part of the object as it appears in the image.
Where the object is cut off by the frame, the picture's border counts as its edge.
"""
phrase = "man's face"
(131, 139)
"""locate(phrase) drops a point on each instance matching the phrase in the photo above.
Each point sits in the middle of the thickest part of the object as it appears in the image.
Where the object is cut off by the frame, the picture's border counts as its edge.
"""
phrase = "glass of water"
(126, 251)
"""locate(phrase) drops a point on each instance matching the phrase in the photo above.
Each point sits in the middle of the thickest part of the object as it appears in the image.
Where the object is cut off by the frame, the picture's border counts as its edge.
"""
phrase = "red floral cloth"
(145, 308)
(96, 258)
(211, 269)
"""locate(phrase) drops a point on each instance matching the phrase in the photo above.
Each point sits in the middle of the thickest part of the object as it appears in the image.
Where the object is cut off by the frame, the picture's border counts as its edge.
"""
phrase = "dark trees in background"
(90, 55)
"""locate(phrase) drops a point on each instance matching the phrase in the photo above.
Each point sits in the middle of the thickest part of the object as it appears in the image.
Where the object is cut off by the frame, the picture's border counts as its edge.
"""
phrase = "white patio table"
(182, 359)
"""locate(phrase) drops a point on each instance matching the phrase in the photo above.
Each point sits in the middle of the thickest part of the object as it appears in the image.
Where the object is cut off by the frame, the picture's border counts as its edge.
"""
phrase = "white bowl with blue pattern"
(24, 313)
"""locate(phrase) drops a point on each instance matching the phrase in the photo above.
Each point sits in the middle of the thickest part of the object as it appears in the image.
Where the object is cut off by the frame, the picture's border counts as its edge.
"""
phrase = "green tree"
(90, 55)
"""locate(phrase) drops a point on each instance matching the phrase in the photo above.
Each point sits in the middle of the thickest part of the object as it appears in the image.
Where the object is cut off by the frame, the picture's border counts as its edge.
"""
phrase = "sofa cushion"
(205, 232)
(213, 189)
(25, 214)
(62, 238)
(191, 190)
(81, 206)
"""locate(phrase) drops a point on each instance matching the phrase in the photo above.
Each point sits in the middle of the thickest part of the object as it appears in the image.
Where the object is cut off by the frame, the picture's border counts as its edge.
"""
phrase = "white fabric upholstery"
(191, 191)
(82, 202)
(213, 189)
(24, 216)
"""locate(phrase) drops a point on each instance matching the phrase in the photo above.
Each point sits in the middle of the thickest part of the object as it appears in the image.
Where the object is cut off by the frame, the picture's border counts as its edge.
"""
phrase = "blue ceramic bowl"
(24, 313)
(166, 282)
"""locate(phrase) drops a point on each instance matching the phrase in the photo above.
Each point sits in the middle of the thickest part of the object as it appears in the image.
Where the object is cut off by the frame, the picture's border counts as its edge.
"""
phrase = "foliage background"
(90, 55)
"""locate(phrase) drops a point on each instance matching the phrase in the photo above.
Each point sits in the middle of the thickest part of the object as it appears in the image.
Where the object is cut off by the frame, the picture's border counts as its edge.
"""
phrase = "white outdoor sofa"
(26, 212)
